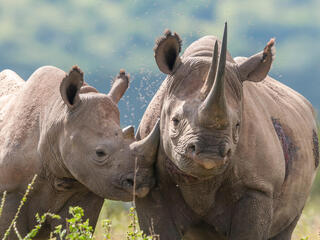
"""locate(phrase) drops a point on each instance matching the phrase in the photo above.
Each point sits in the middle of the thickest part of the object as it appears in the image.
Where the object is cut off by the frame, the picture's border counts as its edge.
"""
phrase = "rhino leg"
(287, 232)
(252, 217)
(154, 217)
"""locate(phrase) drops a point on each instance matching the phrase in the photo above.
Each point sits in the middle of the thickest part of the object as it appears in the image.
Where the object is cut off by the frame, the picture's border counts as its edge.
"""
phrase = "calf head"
(93, 149)
(202, 111)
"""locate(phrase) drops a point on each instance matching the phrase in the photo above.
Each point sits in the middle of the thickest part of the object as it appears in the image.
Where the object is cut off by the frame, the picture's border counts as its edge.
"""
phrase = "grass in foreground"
(309, 223)
(124, 226)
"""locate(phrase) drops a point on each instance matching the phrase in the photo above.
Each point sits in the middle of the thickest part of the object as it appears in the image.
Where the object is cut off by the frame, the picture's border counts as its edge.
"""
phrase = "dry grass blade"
(3, 199)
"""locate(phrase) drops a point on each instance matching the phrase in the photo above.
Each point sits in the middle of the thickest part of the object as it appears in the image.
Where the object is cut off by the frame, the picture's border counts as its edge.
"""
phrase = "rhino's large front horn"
(148, 146)
(213, 111)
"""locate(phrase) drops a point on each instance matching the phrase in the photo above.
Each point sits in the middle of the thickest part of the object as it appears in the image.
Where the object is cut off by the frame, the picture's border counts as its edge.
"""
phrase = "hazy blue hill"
(104, 36)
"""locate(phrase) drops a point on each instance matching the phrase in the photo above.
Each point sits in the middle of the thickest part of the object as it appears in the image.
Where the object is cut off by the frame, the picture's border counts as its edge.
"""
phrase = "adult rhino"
(68, 133)
(238, 150)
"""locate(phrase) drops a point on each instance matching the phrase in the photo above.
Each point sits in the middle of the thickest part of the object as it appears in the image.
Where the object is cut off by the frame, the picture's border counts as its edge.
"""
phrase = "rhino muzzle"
(208, 159)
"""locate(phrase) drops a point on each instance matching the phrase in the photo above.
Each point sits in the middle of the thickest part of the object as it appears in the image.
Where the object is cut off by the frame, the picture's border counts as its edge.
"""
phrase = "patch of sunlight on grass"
(309, 223)
(118, 213)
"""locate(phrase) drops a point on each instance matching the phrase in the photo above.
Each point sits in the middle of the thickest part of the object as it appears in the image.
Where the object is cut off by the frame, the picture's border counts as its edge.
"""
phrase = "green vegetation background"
(102, 36)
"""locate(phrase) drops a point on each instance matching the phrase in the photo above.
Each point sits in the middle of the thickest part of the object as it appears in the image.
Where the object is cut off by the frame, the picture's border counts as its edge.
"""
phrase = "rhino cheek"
(91, 176)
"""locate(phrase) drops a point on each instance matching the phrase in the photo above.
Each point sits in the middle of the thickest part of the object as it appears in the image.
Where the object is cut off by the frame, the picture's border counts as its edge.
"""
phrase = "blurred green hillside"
(104, 36)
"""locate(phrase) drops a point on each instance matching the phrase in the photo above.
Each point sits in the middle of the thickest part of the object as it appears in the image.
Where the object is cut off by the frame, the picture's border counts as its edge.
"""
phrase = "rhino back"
(10, 83)
(19, 126)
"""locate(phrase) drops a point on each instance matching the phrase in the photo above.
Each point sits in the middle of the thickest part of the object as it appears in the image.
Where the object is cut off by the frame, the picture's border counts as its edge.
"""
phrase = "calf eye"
(175, 121)
(100, 153)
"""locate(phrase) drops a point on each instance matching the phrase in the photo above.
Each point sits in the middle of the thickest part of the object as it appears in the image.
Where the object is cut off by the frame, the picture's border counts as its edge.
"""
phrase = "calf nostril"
(191, 148)
(129, 182)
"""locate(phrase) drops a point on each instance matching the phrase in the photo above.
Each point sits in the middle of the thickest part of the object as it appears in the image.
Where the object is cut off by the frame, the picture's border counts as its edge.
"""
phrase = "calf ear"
(256, 67)
(119, 86)
(70, 87)
(166, 52)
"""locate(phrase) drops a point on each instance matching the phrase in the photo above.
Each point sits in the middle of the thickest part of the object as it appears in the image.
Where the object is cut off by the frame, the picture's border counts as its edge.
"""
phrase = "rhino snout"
(207, 159)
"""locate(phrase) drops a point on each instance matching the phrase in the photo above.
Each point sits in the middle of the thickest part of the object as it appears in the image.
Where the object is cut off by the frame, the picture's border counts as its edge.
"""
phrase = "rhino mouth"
(199, 172)
(178, 175)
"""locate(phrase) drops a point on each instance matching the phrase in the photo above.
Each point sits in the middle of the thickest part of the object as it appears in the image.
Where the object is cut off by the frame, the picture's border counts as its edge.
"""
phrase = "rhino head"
(92, 149)
(201, 115)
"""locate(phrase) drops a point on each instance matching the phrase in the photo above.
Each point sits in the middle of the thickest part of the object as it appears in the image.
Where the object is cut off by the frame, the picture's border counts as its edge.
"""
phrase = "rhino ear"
(166, 52)
(257, 66)
(119, 86)
(70, 87)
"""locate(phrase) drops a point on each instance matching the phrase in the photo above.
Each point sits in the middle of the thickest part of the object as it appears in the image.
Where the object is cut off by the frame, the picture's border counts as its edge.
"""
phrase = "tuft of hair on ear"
(269, 49)
(167, 32)
(75, 68)
(166, 35)
(122, 74)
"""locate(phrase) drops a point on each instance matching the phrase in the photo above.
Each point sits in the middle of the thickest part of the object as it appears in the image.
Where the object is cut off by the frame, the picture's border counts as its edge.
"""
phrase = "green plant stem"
(22, 202)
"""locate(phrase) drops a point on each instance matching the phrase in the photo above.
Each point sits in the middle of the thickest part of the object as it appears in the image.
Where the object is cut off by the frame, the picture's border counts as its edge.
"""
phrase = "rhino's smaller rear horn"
(148, 146)
(212, 71)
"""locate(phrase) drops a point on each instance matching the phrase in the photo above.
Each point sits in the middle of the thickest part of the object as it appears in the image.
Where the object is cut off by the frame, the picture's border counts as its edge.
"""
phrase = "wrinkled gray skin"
(221, 169)
(68, 133)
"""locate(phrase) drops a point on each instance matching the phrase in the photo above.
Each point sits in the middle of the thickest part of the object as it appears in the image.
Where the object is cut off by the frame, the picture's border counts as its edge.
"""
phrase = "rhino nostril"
(225, 150)
(229, 152)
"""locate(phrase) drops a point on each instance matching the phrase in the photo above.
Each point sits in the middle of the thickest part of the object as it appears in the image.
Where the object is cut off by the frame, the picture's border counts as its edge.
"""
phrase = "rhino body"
(65, 131)
(237, 155)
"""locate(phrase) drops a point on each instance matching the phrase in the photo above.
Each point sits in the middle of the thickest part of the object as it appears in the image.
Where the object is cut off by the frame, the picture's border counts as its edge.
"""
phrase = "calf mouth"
(138, 186)
(66, 184)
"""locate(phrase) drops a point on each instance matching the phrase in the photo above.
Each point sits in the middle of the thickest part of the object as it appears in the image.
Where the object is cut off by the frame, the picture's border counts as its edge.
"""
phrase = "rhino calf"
(68, 133)
(238, 150)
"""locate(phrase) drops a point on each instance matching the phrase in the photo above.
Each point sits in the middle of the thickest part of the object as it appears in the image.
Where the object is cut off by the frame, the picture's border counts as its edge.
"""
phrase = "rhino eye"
(100, 153)
(236, 133)
(175, 121)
